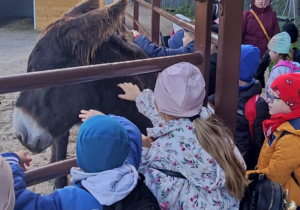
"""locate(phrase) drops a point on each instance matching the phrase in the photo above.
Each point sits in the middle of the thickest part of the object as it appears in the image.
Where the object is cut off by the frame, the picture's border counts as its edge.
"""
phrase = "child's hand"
(87, 114)
(131, 91)
(146, 141)
(134, 33)
(24, 160)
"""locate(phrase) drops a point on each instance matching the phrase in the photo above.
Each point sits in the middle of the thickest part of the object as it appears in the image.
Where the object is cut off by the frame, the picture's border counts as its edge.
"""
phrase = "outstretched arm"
(24, 160)
(153, 50)
(25, 199)
(144, 101)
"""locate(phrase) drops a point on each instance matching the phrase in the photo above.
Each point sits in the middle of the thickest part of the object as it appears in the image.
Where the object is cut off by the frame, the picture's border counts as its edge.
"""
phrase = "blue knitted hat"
(102, 144)
(250, 58)
(280, 43)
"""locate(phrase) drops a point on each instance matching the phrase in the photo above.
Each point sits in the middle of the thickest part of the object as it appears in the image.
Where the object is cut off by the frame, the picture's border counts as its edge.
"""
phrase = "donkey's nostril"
(19, 137)
(22, 138)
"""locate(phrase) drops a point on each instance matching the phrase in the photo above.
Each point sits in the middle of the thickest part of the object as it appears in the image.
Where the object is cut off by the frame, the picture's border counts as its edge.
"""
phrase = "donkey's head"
(74, 39)
(78, 38)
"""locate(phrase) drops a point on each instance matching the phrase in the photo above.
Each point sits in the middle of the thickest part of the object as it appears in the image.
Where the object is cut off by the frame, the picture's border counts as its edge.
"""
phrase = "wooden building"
(48, 11)
(43, 12)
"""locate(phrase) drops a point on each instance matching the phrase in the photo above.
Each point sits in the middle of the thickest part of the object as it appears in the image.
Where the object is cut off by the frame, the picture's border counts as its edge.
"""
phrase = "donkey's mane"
(85, 27)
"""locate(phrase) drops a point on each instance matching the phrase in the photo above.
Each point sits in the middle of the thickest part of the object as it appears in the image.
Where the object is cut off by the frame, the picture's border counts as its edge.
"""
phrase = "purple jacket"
(252, 32)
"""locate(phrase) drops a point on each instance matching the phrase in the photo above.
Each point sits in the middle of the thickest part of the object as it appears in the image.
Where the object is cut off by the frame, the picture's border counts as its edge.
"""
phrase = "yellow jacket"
(280, 157)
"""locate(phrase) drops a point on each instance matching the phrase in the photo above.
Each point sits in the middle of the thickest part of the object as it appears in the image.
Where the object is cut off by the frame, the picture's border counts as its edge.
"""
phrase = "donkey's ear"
(83, 8)
(87, 32)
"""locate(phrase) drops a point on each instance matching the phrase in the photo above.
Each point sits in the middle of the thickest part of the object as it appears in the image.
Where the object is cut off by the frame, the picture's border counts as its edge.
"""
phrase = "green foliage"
(246, 4)
(188, 9)
(279, 5)
(298, 44)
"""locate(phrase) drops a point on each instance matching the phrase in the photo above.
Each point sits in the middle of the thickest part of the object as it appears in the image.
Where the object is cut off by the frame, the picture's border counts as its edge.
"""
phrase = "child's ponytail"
(217, 140)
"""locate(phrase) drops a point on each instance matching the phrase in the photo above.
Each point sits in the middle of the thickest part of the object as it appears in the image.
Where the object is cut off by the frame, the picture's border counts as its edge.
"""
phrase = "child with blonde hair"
(192, 161)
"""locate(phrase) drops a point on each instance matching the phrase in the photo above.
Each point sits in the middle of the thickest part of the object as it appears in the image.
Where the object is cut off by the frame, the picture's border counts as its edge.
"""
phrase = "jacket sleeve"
(244, 27)
(25, 199)
(145, 105)
(134, 156)
(283, 161)
(153, 50)
(262, 113)
(276, 28)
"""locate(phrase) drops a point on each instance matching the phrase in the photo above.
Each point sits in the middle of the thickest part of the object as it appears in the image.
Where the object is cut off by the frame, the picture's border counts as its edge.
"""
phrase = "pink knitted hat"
(180, 90)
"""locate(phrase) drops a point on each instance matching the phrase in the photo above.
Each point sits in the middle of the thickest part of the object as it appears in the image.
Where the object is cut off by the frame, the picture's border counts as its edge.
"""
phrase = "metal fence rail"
(83, 74)
(228, 58)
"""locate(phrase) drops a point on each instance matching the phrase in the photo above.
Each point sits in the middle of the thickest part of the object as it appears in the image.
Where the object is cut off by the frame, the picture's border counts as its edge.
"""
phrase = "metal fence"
(169, 4)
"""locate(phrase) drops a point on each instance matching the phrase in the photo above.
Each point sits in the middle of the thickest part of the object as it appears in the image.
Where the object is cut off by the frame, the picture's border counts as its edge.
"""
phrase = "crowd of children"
(189, 157)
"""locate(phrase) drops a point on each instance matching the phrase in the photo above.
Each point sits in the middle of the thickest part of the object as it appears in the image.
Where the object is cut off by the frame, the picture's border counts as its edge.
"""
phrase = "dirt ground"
(17, 39)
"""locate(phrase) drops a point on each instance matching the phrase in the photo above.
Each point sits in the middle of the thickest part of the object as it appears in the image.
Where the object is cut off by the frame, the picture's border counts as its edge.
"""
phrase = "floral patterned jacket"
(177, 148)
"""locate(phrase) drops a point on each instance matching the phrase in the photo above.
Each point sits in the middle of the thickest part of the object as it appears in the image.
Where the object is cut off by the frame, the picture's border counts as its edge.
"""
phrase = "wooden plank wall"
(48, 11)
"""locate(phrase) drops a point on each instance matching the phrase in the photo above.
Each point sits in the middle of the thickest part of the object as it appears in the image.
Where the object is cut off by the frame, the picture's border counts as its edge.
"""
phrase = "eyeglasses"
(272, 97)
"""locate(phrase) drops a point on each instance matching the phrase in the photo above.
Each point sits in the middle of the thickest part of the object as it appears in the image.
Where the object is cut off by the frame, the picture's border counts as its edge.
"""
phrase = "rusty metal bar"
(129, 15)
(50, 171)
(123, 24)
(143, 30)
(155, 22)
(174, 19)
(203, 35)
(228, 64)
(139, 26)
(135, 14)
(146, 4)
(183, 24)
(125, 28)
(80, 74)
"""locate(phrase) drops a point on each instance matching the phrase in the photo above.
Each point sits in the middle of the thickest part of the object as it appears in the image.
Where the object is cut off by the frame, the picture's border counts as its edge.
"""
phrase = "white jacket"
(178, 149)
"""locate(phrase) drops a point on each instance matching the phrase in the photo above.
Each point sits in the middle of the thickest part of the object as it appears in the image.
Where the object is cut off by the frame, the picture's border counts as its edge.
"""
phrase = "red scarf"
(269, 126)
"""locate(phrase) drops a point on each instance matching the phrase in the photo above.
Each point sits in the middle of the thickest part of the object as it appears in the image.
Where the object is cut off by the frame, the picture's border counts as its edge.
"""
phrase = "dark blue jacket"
(175, 42)
(157, 51)
(72, 197)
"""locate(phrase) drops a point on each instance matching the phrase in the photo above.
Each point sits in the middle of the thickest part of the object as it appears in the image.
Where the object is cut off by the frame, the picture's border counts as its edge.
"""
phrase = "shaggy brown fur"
(86, 26)
(85, 35)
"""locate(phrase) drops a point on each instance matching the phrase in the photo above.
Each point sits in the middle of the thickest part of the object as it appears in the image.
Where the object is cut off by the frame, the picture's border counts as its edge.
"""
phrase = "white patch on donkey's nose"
(29, 132)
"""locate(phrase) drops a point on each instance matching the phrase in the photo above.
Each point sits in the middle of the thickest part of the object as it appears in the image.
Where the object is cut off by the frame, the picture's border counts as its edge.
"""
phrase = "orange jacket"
(279, 158)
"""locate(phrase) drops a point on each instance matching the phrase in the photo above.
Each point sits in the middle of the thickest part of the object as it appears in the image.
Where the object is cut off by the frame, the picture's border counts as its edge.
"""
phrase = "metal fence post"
(228, 64)
(155, 22)
(203, 18)
(136, 6)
